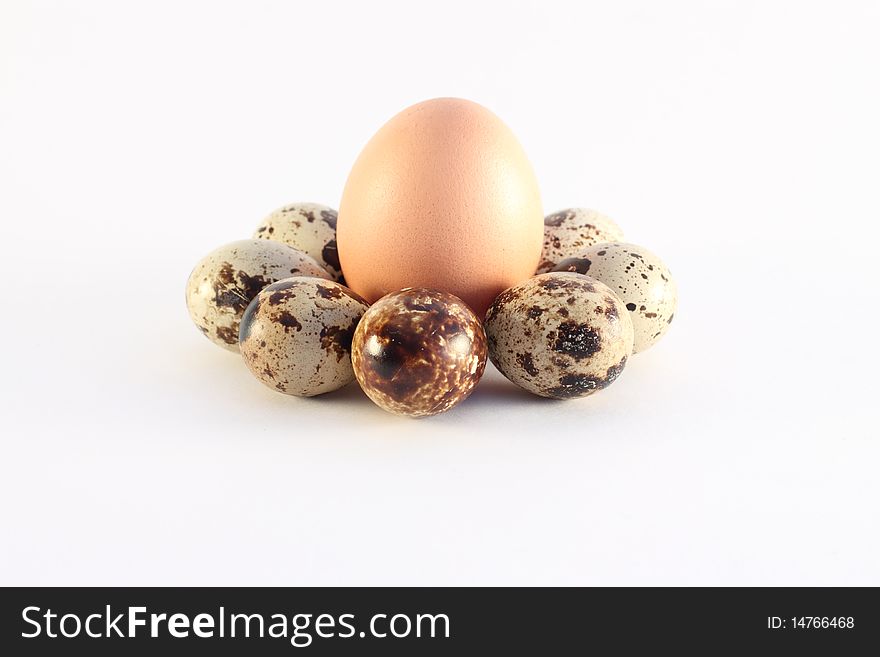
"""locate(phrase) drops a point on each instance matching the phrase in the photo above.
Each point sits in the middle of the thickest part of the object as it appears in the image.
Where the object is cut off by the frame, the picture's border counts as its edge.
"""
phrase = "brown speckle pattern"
(419, 352)
(223, 283)
(639, 279)
(296, 335)
(577, 346)
(569, 232)
(309, 227)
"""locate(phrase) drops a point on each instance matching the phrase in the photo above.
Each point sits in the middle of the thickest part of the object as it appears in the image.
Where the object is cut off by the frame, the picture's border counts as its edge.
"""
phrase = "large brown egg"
(442, 197)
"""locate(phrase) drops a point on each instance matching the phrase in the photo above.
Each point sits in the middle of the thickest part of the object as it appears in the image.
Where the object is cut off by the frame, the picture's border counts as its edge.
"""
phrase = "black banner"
(395, 621)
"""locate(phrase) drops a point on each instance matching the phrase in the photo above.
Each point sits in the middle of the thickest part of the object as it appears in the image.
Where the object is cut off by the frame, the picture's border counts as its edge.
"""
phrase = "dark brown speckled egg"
(419, 352)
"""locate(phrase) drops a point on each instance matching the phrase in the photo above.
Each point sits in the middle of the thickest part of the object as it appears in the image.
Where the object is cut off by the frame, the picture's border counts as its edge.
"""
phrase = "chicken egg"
(442, 197)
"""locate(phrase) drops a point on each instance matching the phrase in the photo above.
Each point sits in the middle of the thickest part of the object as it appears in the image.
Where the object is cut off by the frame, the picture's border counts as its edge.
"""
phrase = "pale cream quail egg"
(639, 278)
(223, 283)
(559, 335)
(296, 335)
(309, 227)
(568, 232)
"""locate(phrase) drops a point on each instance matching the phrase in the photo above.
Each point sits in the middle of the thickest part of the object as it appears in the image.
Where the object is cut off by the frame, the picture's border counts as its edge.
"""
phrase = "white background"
(738, 140)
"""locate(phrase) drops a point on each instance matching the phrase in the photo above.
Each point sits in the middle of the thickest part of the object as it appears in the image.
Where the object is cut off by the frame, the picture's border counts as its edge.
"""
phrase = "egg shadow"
(498, 390)
(227, 372)
(495, 393)
(350, 393)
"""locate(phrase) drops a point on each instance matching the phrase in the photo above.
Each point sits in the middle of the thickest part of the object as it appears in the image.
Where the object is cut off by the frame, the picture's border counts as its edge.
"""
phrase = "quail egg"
(224, 282)
(639, 279)
(568, 232)
(296, 335)
(419, 352)
(309, 227)
(559, 335)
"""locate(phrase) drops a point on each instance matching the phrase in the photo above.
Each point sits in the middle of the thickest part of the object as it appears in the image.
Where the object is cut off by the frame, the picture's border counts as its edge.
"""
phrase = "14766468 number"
(810, 622)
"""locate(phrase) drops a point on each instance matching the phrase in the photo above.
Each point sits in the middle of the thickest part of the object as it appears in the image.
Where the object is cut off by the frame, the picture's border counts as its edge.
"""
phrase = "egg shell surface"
(308, 227)
(296, 335)
(442, 197)
(223, 283)
(419, 352)
(568, 232)
(559, 335)
(639, 278)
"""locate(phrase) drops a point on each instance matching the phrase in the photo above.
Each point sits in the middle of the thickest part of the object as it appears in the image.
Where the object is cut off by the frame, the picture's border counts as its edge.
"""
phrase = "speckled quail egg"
(639, 279)
(296, 335)
(559, 335)
(568, 232)
(309, 227)
(224, 282)
(419, 352)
